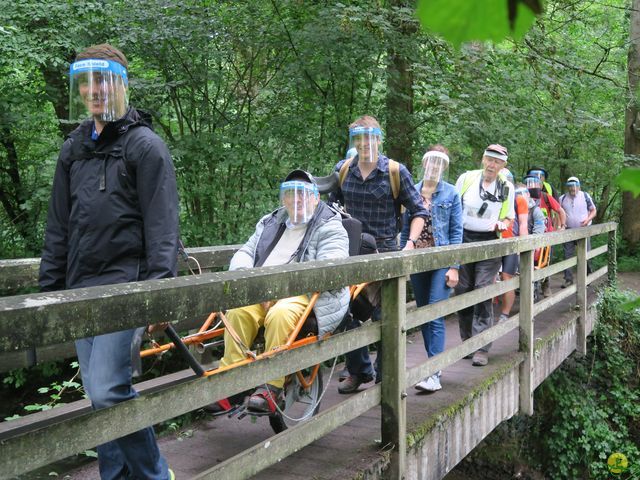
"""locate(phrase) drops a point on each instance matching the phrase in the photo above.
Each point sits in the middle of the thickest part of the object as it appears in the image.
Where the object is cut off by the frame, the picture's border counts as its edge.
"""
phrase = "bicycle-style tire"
(298, 402)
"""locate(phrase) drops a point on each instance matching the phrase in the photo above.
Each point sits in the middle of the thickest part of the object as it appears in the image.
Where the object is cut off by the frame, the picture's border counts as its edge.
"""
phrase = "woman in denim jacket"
(442, 227)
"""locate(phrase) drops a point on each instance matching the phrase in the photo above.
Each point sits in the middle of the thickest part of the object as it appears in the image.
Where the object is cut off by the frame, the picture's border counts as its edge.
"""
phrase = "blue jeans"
(105, 364)
(430, 287)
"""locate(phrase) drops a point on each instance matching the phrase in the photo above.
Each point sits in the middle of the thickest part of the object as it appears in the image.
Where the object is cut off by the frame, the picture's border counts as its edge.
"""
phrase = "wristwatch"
(415, 242)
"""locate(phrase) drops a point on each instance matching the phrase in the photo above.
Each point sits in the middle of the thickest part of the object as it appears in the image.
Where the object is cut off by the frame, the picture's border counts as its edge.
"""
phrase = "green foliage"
(629, 180)
(23, 387)
(15, 378)
(460, 21)
(590, 407)
(245, 91)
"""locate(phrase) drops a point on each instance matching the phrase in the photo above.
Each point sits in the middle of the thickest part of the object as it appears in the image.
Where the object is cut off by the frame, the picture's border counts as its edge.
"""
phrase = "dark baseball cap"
(300, 175)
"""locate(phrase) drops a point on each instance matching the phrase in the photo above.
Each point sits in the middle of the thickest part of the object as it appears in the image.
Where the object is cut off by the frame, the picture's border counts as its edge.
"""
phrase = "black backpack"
(360, 243)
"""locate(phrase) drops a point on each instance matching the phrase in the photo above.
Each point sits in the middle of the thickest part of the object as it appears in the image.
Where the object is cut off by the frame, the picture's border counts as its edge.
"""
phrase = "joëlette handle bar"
(182, 348)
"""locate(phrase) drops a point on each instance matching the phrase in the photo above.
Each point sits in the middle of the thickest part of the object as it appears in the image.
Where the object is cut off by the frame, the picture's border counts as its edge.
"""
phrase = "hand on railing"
(500, 226)
(451, 277)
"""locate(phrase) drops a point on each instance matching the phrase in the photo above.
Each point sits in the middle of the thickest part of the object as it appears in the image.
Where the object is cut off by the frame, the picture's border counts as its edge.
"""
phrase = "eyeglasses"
(484, 196)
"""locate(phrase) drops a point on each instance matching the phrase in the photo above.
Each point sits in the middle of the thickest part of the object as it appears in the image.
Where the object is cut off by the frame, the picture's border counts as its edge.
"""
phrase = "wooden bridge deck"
(353, 450)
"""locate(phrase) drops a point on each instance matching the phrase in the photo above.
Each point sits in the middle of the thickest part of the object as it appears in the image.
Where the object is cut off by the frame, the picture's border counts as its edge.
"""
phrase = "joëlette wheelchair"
(304, 389)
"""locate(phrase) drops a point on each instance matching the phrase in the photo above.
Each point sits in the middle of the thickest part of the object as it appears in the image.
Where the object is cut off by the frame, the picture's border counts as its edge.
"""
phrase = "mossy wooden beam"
(18, 273)
(612, 259)
(428, 313)
(61, 351)
(554, 299)
(49, 318)
(597, 251)
(526, 332)
(553, 269)
(22, 273)
(581, 296)
(394, 396)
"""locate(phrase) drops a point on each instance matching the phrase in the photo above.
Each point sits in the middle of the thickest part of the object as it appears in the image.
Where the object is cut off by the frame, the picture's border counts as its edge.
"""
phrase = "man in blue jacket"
(113, 218)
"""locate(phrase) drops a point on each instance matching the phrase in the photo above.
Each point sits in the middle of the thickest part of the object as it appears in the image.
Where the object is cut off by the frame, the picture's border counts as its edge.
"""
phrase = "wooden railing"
(48, 319)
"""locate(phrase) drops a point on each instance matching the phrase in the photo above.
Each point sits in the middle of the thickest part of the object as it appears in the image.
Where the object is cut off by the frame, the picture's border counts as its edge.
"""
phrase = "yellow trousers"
(279, 321)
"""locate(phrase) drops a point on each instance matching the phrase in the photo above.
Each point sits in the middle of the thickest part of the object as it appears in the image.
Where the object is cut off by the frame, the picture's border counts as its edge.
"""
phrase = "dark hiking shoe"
(264, 400)
(480, 359)
(353, 382)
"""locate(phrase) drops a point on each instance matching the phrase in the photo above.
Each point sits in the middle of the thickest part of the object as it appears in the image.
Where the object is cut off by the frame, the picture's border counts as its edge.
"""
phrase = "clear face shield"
(538, 173)
(533, 182)
(434, 164)
(98, 89)
(573, 187)
(366, 141)
(300, 199)
(534, 185)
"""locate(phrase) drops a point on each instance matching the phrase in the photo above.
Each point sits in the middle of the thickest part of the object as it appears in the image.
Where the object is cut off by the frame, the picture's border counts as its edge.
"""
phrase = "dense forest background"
(245, 91)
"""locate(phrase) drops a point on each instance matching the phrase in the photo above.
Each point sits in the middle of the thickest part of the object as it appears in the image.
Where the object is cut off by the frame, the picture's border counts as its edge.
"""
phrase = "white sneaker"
(429, 384)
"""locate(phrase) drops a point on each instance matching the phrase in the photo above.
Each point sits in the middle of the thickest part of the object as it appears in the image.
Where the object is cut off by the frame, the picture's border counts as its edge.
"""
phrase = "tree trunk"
(13, 194)
(631, 205)
(399, 99)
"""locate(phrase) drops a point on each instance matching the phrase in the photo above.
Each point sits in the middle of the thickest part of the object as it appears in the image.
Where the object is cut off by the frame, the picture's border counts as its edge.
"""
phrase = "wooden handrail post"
(394, 353)
(526, 332)
(581, 295)
(612, 267)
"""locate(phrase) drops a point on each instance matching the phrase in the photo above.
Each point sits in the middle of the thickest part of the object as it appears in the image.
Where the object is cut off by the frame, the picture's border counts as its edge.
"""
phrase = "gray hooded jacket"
(324, 239)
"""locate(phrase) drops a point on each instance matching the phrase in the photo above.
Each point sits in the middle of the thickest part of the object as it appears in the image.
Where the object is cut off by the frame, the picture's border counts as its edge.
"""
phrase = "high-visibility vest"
(473, 175)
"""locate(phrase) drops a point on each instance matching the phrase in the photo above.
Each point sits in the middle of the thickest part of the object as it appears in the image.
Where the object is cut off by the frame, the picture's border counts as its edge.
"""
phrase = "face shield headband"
(573, 183)
(434, 164)
(99, 89)
(366, 141)
(299, 199)
(537, 173)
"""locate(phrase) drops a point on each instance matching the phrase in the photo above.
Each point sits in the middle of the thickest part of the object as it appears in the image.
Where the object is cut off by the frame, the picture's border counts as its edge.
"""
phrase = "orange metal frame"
(205, 334)
(544, 257)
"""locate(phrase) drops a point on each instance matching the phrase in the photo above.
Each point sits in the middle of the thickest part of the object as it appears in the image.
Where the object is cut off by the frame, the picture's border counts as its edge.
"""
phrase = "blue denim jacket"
(446, 216)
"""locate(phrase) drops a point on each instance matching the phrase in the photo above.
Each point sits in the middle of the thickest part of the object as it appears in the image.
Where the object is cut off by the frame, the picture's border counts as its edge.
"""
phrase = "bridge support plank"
(581, 296)
(394, 354)
(526, 332)
(612, 260)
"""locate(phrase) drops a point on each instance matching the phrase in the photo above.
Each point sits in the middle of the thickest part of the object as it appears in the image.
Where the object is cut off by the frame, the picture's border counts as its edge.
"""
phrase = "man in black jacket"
(113, 218)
